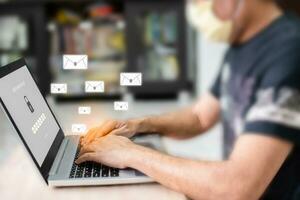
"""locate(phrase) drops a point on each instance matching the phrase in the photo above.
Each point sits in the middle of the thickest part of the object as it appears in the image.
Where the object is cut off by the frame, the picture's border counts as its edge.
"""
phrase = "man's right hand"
(123, 128)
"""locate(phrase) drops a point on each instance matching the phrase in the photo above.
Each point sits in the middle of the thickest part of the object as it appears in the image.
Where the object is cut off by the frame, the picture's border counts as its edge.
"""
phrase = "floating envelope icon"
(75, 61)
(94, 86)
(84, 110)
(59, 88)
(131, 79)
(121, 106)
(79, 128)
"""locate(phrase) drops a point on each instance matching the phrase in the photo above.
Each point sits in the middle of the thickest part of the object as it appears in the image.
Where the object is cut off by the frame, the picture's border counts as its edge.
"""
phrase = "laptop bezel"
(47, 163)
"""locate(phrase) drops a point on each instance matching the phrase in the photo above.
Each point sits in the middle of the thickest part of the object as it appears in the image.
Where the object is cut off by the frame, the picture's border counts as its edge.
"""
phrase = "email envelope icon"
(94, 86)
(79, 128)
(59, 88)
(121, 105)
(131, 79)
(84, 110)
(75, 61)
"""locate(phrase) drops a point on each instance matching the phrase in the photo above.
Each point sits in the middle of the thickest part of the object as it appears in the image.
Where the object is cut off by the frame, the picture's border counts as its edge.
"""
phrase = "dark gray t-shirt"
(259, 90)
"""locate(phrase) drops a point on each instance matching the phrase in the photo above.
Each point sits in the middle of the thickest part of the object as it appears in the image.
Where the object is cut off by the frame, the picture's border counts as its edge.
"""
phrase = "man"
(256, 95)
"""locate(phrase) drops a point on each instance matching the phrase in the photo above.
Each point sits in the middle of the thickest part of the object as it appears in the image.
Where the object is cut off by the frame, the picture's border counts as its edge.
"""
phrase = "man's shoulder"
(289, 29)
(292, 19)
(281, 60)
(284, 46)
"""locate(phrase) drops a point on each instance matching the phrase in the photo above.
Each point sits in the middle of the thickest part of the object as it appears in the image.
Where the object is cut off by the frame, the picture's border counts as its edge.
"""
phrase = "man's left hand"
(111, 150)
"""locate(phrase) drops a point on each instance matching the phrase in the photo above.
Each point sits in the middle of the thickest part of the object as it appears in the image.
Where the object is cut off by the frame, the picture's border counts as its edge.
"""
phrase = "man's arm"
(253, 164)
(184, 123)
(187, 122)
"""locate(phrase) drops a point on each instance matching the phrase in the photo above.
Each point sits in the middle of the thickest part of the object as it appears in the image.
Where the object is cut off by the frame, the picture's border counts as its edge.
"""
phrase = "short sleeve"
(276, 107)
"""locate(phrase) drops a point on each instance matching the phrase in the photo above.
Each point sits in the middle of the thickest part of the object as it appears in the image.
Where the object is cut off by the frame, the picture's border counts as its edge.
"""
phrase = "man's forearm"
(245, 175)
(182, 124)
(198, 180)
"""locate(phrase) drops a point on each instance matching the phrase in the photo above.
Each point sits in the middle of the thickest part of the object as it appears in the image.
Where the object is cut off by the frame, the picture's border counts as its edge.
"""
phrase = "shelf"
(43, 1)
(24, 2)
(128, 57)
(104, 97)
(13, 51)
(160, 87)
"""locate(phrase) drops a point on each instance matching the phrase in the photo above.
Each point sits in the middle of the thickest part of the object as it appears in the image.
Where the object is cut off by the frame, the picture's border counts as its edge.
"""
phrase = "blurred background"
(148, 36)
(151, 37)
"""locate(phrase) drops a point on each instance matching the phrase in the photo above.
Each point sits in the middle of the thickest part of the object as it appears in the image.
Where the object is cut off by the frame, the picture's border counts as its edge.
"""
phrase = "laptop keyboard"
(92, 169)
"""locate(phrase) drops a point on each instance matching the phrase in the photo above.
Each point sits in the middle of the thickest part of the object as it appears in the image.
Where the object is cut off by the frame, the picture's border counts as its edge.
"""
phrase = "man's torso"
(257, 80)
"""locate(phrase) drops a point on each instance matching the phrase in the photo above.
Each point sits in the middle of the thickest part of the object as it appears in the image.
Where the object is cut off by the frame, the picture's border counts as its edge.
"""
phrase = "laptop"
(52, 152)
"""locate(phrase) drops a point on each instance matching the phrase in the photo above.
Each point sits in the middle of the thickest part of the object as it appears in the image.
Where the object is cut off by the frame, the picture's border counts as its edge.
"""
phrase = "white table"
(21, 180)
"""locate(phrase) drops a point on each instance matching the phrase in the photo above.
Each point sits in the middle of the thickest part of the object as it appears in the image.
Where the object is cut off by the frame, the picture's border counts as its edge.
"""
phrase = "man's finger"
(91, 134)
(86, 149)
(120, 124)
(80, 140)
(98, 131)
(86, 157)
(89, 138)
(103, 130)
(107, 128)
(117, 132)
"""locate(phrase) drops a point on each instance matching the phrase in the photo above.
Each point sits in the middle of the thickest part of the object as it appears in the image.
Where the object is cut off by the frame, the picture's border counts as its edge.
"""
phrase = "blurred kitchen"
(147, 36)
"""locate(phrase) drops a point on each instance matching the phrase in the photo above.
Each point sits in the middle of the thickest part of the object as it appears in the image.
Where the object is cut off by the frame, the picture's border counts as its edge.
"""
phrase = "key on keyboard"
(92, 169)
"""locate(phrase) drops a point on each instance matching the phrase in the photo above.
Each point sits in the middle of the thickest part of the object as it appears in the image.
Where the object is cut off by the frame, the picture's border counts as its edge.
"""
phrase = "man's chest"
(237, 95)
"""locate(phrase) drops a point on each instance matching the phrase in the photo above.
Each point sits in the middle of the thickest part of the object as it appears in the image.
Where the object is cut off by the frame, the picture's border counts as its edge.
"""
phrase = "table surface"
(21, 180)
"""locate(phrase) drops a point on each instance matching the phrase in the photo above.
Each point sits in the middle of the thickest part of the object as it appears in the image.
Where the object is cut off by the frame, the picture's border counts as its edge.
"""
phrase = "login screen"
(29, 112)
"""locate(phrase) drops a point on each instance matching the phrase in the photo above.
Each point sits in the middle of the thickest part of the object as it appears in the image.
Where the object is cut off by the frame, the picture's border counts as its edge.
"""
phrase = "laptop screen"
(29, 111)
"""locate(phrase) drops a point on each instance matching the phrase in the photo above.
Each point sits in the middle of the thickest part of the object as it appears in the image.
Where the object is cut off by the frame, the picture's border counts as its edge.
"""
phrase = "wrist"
(137, 156)
(141, 125)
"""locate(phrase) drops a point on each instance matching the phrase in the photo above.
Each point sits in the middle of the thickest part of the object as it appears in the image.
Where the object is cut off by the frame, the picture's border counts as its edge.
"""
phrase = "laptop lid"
(30, 115)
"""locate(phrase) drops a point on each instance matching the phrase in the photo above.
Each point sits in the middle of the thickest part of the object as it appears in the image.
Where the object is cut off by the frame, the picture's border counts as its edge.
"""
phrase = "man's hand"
(122, 128)
(127, 128)
(111, 150)
(99, 131)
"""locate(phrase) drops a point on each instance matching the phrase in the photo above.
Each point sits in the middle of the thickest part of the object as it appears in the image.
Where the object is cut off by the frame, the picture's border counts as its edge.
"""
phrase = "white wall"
(210, 58)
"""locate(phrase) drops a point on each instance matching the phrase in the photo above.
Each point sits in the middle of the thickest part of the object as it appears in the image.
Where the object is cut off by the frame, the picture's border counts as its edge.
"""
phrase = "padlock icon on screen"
(29, 104)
